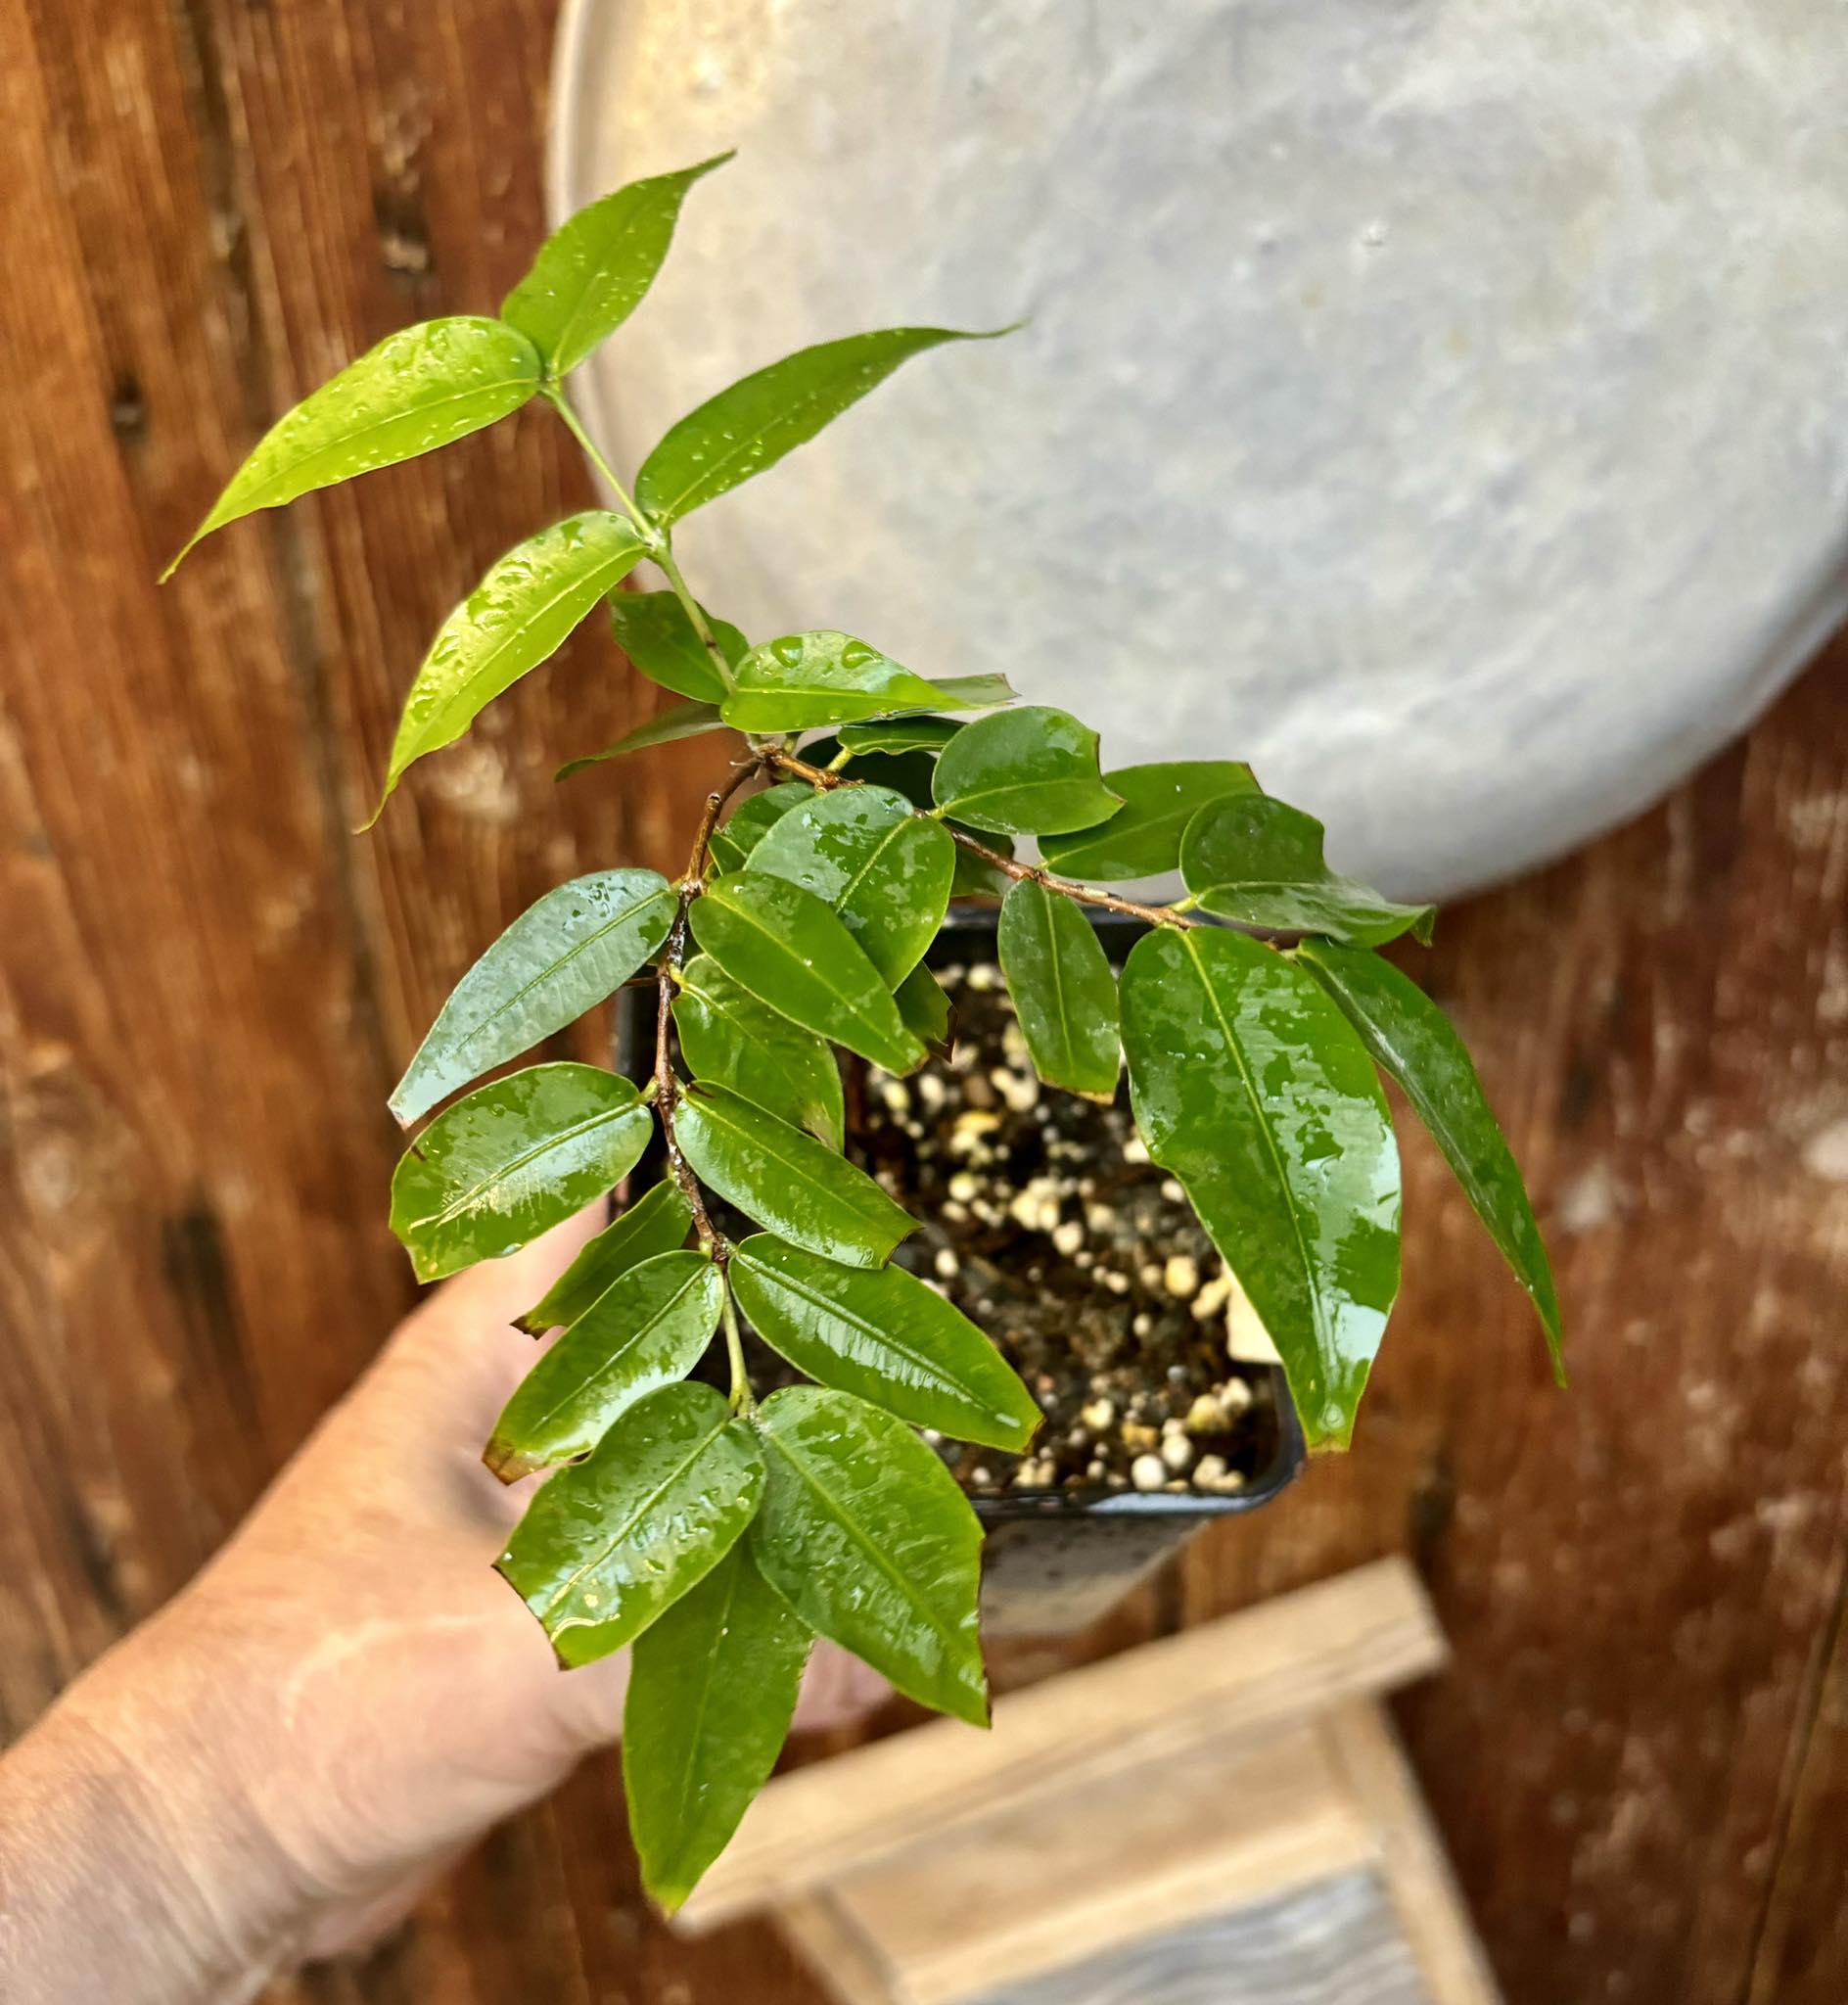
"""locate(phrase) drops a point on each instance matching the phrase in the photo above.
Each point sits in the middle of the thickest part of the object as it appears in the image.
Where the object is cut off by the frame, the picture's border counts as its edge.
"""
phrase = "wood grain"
(1637, 1762)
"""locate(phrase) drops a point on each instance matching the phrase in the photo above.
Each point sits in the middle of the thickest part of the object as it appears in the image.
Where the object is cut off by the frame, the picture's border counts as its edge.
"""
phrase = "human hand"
(344, 1699)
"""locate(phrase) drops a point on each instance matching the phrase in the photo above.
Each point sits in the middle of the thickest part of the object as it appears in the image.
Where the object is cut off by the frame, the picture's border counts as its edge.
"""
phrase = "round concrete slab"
(1441, 405)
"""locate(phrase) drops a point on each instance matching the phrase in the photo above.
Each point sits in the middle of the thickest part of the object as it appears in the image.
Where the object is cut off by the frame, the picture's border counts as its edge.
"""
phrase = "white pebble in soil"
(1148, 1472)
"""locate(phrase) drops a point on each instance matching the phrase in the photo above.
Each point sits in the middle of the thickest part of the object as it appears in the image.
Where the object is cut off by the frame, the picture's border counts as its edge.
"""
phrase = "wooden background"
(1641, 1756)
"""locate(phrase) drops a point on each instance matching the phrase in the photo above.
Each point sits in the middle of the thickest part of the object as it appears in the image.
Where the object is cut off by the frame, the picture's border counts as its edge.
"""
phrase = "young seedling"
(717, 1534)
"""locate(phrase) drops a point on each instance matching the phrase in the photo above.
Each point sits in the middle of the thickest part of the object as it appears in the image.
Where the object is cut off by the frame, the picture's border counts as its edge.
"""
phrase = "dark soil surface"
(1047, 1226)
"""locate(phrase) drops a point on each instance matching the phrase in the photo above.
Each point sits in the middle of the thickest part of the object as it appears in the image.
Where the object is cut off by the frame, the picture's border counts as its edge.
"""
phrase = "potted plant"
(720, 1519)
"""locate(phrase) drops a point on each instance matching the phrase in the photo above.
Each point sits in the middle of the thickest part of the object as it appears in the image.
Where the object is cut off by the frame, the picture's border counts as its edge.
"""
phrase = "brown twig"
(666, 1084)
(1083, 894)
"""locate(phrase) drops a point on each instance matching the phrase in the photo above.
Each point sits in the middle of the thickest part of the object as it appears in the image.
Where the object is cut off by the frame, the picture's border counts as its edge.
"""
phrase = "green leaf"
(1256, 860)
(516, 618)
(899, 734)
(867, 1536)
(1142, 838)
(971, 692)
(1412, 1038)
(1028, 772)
(591, 272)
(753, 424)
(886, 1337)
(515, 1158)
(678, 721)
(653, 630)
(646, 1330)
(419, 388)
(874, 860)
(927, 1011)
(819, 678)
(1252, 1088)
(1064, 992)
(728, 1038)
(909, 774)
(658, 1222)
(784, 946)
(976, 876)
(787, 1180)
(753, 819)
(561, 957)
(712, 1690)
(610, 1543)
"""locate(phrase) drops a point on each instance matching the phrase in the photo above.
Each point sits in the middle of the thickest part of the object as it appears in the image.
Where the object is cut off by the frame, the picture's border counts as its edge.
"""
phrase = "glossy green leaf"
(591, 272)
(752, 821)
(976, 876)
(875, 862)
(971, 692)
(865, 1534)
(653, 630)
(609, 1544)
(883, 1337)
(786, 1180)
(561, 957)
(1256, 860)
(712, 1690)
(752, 425)
(1412, 1038)
(899, 734)
(1252, 1088)
(647, 1330)
(678, 721)
(658, 1222)
(1142, 838)
(1027, 771)
(784, 946)
(927, 1012)
(515, 1158)
(823, 677)
(1065, 994)
(728, 1038)
(516, 618)
(419, 388)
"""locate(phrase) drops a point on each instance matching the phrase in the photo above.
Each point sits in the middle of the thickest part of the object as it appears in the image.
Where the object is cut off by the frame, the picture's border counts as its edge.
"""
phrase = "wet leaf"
(728, 1038)
(927, 1011)
(591, 272)
(419, 388)
(1142, 839)
(901, 734)
(515, 1158)
(752, 820)
(875, 862)
(712, 1690)
(609, 1544)
(867, 1536)
(886, 1337)
(786, 1180)
(653, 630)
(1256, 860)
(784, 946)
(1412, 1038)
(658, 1222)
(647, 1330)
(806, 679)
(1252, 1088)
(1064, 992)
(752, 425)
(561, 957)
(678, 721)
(1027, 771)
(516, 618)
(971, 692)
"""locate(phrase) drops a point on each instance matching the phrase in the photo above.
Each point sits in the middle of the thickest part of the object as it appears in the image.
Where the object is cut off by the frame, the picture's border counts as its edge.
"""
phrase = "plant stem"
(659, 547)
(741, 1400)
(1083, 894)
(673, 954)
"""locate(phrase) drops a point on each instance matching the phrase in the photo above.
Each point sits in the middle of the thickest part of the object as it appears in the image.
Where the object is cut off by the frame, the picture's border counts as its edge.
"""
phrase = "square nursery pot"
(1107, 1297)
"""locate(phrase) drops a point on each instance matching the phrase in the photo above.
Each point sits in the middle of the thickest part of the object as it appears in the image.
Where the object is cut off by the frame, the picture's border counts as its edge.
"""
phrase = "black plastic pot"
(1055, 1558)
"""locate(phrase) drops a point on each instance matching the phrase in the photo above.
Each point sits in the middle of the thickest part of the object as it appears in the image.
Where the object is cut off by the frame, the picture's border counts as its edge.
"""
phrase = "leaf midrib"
(450, 1213)
(851, 1200)
(623, 1349)
(860, 1021)
(636, 212)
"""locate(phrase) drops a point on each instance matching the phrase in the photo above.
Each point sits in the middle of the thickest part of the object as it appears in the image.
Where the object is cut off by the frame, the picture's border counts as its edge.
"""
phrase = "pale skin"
(275, 1765)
